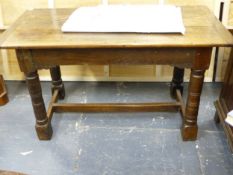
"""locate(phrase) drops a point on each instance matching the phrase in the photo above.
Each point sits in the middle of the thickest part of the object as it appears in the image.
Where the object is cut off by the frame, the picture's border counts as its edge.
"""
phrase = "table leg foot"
(57, 81)
(4, 99)
(177, 81)
(44, 132)
(189, 133)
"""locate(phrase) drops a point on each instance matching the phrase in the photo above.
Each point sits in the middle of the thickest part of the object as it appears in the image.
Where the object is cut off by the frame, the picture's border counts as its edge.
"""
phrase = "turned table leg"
(189, 128)
(57, 81)
(43, 125)
(177, 81)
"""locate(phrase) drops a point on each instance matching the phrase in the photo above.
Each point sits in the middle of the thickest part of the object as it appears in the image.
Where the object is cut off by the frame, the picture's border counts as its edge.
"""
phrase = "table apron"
(33, 59)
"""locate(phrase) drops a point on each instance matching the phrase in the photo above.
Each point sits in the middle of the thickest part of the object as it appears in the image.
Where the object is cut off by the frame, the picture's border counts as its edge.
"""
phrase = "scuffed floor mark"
(26, 153)
(80, 152)
(76, 125)
(76, 166)
(121, 93)
(79, 122)
(153, 121)
(121, 85)
(79, 126)
(84, 97)
(131, 129)
(202, 166)
(161, 117)
(22, 97)
(83, 129)
(209, 106)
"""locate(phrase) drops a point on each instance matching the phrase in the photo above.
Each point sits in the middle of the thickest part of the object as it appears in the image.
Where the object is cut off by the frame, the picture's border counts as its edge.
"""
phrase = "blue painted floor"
(112, 143)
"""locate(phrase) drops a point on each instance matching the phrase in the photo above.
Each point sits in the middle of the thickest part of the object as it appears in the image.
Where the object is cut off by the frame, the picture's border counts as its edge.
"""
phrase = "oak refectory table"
(39, 43)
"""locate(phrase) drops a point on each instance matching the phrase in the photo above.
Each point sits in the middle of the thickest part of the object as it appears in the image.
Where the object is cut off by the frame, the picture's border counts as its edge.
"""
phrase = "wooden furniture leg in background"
(57, 81)
(189, 128)
(216, 118)
(224, 103)
(177, 81)
(3, 94)
(43, 124)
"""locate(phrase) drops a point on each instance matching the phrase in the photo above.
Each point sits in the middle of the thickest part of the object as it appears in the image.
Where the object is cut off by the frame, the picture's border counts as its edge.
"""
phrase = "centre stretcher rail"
(115, 107)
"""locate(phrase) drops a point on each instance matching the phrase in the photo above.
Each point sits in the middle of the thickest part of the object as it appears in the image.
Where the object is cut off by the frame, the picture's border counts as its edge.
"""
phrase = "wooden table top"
(41, 28)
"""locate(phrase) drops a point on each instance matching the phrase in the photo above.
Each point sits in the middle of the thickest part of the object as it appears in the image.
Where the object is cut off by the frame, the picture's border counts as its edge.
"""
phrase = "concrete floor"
(111, 143)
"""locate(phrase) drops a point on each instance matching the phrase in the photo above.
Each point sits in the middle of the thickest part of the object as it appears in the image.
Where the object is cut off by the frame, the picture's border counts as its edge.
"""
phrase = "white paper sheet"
(126, 18)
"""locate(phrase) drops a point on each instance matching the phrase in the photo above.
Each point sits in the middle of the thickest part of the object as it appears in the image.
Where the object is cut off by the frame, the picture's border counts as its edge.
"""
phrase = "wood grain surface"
(202, 30)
